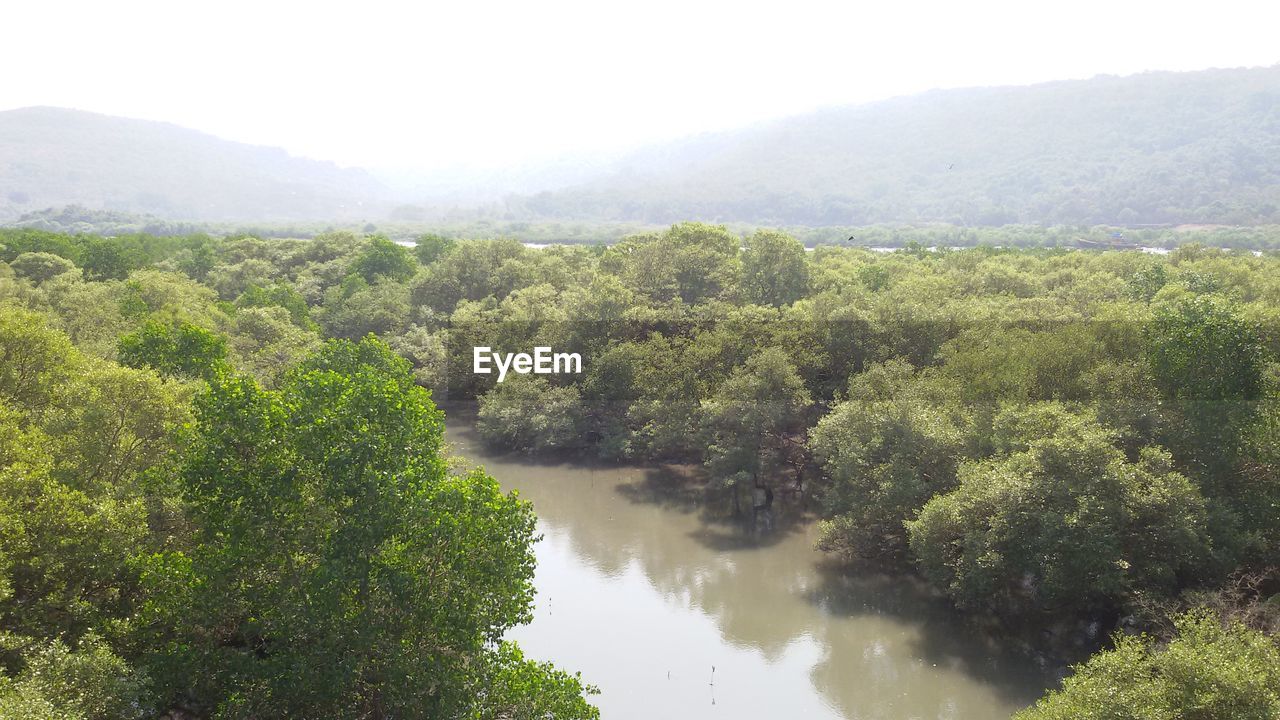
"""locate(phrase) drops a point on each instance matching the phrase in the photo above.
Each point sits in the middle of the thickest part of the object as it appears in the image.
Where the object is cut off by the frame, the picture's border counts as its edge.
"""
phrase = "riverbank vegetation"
(216, 481)
(179, 537)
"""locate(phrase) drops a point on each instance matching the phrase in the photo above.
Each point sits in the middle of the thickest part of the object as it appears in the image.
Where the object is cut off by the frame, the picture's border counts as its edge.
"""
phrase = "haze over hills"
(1198, 147)
(53, 156)
(1155, 148)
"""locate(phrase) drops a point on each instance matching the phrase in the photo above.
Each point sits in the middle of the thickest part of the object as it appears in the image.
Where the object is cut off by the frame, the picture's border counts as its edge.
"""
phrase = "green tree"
(181, 350)
(608, 392)
(266, 341)
(113, 423)
(341, 571)
(383, 258)
(1208, 671)
(232, 280)
(89, 682)
(774, 269)
(513, 688)
(1208, 360)
(692, 261)
(76, 434)
(357, 308)
(33, 359)
(430, 247)
(472, 270)
(1059, 519)
(64, 552)
(894, 443)
(754, 422)
(428, 353)
(105, 259)
(530, 414)
(39, 267)
(279, 295)
(669, 379)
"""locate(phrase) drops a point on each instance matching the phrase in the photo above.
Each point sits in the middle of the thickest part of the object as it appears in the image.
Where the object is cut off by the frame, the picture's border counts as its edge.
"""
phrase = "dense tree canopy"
(338, 569)
(1057, 435)
(289, 545)
(1060, 520)
(185, 349)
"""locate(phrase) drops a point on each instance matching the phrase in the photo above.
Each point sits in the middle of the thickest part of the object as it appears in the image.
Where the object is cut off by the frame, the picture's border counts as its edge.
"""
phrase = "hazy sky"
(384, 84)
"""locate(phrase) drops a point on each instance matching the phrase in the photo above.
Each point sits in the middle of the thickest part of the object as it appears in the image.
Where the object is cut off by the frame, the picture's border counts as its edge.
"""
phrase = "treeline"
(79, 221)
(1044, 434)
(1256, 238)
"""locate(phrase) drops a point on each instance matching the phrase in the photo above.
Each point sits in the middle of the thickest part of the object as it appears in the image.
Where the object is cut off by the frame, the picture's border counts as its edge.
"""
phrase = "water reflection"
(645, 596)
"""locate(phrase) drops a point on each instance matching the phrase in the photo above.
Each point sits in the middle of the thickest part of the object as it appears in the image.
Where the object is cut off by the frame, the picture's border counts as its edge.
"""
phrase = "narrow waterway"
(645, 597)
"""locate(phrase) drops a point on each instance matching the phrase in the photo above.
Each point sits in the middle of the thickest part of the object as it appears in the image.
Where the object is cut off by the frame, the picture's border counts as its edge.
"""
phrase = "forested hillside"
(54, 156)
(1198, 147)
(1158, 148)
(222, 484)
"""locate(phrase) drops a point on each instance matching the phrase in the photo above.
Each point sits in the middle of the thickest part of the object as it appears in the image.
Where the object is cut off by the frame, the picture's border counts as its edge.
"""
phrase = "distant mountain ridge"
(1159, 148)
(53, 157)
(1156, 148)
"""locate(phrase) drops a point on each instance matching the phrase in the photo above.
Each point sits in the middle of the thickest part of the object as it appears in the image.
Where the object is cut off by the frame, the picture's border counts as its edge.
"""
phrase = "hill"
(1155, 148)
(52, 157)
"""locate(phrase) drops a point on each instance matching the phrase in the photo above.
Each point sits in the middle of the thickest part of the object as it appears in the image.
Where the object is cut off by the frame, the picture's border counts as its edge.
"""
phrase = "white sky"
(441, 83)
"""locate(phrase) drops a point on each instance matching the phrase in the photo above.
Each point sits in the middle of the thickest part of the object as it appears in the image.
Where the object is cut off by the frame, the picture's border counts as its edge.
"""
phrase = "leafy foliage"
(1060, 521)
(1208, 671)
(182, 350)
(887, 450)
(531, 415)
(41, 266)
(339, 565)
(382, 258)
(754, 420)
(88, 683)
(774, 271)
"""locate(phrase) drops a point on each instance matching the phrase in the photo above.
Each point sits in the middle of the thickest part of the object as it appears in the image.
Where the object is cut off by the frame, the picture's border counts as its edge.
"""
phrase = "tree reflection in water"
(649, 593)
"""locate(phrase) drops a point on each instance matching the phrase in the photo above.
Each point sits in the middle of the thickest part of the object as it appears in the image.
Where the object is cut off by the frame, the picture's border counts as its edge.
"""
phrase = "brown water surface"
(644, 596)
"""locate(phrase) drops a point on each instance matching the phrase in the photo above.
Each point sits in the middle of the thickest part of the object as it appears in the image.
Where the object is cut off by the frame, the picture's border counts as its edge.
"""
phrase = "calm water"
(644, 597)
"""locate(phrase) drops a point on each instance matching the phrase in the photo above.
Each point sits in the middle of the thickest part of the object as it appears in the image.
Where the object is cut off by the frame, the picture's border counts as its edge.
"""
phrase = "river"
(643, 596)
